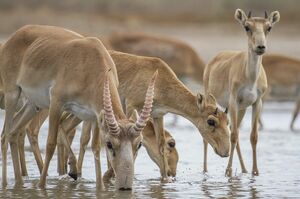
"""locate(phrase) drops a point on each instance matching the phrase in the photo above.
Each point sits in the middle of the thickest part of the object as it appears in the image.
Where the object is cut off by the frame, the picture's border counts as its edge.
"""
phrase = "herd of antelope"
(121, 98)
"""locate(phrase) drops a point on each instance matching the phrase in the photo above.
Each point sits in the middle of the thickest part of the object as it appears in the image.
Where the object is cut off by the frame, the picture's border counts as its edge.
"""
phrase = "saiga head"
(123, 138)
(150, 143)
(213, 124)
(257, 29)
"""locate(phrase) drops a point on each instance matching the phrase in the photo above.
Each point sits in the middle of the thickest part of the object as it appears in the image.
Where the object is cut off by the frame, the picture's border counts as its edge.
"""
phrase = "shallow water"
(278, 161)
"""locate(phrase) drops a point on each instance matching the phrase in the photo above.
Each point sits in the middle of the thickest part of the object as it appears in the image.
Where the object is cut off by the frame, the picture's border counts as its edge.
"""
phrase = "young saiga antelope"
(238, 80)
(41, 63)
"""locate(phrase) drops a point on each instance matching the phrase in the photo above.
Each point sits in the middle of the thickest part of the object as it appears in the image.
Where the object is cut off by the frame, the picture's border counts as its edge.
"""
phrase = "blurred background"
(189, 19)
(207, 26)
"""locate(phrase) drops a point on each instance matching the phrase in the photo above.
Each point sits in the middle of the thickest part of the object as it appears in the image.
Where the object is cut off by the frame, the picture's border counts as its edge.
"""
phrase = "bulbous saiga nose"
(261, 47)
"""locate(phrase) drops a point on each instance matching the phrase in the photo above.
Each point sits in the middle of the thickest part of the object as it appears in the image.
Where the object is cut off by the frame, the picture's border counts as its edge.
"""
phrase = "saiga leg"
(21, 145)
(61, 170)
(241, 114)
(234, 133)
(65, 127)
(295, 114)
(62, 156)
(84, 140)
(70, 138)
(256, 110)
(96, 147)
(205, 145)
(11, 100)
(62, 166)
(55, 112)
(32, 131)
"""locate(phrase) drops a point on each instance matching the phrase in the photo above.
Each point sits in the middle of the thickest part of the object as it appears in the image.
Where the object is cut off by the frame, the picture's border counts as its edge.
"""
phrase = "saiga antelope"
(238, 80)
(61, 70)
(283, 71)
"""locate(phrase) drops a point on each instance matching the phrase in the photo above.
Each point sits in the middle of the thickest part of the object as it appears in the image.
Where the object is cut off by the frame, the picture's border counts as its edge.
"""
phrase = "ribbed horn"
(266, 15)
(249, 14)
(147, 108)
(108, 111)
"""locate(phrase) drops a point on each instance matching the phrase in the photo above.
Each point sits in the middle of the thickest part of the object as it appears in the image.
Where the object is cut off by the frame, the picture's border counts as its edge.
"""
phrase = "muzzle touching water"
(124, 169)
(124, 177)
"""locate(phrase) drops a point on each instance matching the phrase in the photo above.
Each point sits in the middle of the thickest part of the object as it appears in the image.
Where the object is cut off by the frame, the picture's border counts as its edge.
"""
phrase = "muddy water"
(279, 163)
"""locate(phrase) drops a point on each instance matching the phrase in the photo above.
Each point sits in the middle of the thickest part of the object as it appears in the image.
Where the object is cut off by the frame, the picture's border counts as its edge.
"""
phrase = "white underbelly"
(80, 111)
(38, 96)
(246, 97)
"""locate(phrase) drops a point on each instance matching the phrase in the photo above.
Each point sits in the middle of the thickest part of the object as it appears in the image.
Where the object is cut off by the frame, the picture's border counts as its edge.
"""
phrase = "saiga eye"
(211, 122)
(109, 145)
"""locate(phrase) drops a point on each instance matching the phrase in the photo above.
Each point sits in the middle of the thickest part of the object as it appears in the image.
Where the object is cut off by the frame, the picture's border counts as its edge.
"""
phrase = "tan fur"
(238, 80)
(180, 56)
(37, 60)
(283, 71)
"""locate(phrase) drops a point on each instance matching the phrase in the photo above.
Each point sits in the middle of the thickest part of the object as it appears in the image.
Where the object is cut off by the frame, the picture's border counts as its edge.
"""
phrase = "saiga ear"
(240, 16)
(274, 17)
(200, 101)
(134, 115)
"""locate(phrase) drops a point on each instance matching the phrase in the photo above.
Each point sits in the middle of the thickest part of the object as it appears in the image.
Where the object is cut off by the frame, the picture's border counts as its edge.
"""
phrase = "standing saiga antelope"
(238, 80)
(61, 70)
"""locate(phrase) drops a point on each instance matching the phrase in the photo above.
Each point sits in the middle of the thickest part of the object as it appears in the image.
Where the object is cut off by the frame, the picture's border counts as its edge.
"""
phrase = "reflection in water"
(190, 182)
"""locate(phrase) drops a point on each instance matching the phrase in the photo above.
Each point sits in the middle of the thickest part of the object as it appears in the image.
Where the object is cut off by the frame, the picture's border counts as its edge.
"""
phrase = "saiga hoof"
(228, 172)
(244, 171)
(73, 175)
(255, 173)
